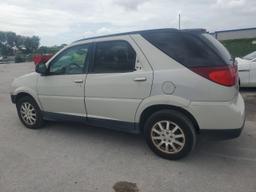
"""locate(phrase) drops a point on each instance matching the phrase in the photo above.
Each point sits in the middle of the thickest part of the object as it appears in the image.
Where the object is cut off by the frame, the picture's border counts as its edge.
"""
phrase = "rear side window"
(114, 57)
(186, 48)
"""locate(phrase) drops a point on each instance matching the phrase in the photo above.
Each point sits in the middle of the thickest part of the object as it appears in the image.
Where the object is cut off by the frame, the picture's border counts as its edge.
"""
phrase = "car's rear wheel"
(170, 134)
(29, 112)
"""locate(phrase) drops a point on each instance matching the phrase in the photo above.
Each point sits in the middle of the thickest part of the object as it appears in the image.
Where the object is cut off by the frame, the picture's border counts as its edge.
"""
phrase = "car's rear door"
(118, 80)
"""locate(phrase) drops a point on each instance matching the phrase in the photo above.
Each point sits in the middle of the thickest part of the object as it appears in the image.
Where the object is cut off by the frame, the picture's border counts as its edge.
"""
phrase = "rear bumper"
(222, 134)
(220, 120)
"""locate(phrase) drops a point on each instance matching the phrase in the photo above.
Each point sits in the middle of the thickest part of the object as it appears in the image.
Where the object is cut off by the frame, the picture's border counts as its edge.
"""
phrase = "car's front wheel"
(29, 113)
(170, 134)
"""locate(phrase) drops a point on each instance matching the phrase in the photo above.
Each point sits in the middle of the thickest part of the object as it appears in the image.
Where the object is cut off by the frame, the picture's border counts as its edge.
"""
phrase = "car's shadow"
(87, 135)
(83, 132)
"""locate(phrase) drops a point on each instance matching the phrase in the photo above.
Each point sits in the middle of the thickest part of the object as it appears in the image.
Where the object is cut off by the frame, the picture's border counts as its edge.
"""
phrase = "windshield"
(250, 56)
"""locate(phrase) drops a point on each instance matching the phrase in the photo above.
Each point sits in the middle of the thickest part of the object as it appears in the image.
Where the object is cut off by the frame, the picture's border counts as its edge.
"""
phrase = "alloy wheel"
(28, 113)
(168, 137)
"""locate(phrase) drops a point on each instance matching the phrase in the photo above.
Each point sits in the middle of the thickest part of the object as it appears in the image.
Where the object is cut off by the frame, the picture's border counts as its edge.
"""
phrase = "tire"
(32, 119)
(171, 143)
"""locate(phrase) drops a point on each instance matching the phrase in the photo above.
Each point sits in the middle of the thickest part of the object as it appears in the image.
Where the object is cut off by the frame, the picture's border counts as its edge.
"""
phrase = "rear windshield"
(189, 49)
(218, 47)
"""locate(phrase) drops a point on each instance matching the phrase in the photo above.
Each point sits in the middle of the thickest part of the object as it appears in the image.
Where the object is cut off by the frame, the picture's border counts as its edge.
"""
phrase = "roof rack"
(128, 33)
(144, 32)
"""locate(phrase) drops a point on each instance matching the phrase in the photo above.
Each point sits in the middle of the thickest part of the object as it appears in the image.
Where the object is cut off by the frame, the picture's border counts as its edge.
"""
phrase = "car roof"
(199, 30)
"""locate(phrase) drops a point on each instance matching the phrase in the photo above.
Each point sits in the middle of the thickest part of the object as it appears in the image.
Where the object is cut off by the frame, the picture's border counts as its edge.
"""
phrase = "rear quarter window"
(186, 48)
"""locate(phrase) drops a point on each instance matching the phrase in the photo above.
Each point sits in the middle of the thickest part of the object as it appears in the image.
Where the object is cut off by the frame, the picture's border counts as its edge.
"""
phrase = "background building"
(235, 34)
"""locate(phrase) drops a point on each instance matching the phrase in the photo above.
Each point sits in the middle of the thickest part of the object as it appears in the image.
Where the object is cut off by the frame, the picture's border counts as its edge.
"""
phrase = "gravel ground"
(69, 157)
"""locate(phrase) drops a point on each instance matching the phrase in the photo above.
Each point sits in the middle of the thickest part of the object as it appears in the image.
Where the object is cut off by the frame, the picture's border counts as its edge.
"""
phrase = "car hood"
(27, 76)
(241, 61)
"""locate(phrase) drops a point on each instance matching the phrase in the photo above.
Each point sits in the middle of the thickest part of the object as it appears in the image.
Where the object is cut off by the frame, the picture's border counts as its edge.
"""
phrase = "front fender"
(29, 91)
(26, 84)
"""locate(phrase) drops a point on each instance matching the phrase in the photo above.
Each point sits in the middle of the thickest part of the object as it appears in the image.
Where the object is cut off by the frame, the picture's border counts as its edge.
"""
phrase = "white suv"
(171, 85)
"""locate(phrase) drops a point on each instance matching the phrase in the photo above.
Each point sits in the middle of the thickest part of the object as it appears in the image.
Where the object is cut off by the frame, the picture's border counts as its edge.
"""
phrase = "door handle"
(78, 81)
(140, 79)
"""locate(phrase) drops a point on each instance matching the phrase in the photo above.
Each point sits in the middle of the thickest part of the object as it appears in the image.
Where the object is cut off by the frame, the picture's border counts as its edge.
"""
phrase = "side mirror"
(41, 69)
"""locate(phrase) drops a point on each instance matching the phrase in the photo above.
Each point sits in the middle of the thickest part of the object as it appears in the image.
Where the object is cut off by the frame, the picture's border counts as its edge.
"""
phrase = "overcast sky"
(64, 21)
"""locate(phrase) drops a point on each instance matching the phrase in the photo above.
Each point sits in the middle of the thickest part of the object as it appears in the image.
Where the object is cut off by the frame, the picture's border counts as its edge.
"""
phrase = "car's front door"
(62, 89)
(119, 79)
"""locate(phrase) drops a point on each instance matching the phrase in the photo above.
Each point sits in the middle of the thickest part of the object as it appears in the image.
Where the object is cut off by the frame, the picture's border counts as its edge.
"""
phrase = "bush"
(20, 58)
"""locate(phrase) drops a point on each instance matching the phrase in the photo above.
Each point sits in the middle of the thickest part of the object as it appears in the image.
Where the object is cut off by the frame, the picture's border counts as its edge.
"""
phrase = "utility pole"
(179, 20)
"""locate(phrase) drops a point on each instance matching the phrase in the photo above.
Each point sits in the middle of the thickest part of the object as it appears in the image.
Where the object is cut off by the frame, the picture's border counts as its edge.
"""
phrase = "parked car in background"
(1, 58)
(247, 70)
(170, 85)
(42, 58)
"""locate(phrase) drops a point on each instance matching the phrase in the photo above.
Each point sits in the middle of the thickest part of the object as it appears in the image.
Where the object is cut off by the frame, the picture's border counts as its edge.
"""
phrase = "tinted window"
(186, 48)
(114, 57)
(218, 47)
(71, 61)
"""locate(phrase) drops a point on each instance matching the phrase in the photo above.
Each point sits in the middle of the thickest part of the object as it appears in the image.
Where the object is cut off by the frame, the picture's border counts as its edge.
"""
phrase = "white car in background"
(247, 70)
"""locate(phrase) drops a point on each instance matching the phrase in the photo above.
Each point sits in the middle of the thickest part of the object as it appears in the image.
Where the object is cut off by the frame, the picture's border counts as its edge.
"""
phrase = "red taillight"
(226, 75)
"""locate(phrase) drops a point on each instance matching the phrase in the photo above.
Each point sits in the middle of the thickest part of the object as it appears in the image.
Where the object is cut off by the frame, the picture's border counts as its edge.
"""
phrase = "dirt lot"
(72, 157)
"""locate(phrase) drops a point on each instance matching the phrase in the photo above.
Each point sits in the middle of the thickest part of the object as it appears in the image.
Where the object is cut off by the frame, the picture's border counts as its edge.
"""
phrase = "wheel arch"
(154, 108)
(24, 94)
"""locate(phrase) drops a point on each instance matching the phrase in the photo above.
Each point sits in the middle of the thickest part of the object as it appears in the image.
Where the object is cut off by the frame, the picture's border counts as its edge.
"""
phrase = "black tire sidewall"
(39, 120)
(182, 121)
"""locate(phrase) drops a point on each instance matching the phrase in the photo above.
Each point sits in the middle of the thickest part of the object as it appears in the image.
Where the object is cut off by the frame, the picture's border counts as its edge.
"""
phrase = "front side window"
(114, 57)
(71, 61)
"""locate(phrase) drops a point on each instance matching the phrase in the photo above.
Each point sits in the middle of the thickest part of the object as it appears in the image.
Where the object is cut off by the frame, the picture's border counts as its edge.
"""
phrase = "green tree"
(10, 42)
(20, 42)
(35, 41)
(11, 38)
(2, 37)
(31, 44)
